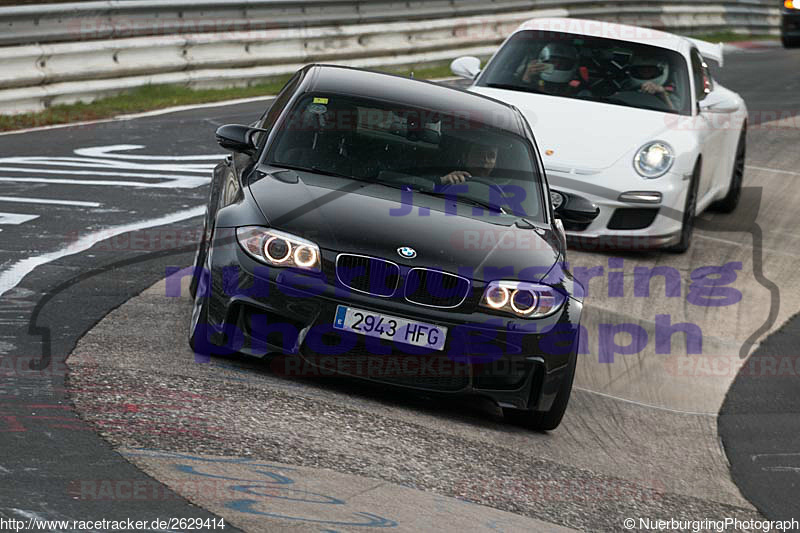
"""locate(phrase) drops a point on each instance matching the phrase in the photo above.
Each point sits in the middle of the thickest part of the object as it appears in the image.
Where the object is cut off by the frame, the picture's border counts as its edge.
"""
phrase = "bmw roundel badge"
(407, 252)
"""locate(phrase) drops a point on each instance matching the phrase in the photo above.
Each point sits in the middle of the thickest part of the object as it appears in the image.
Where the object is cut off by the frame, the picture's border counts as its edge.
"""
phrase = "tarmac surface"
(643, 436)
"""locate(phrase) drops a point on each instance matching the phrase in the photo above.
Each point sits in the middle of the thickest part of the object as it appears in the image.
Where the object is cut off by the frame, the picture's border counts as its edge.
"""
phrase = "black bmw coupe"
(394, 230)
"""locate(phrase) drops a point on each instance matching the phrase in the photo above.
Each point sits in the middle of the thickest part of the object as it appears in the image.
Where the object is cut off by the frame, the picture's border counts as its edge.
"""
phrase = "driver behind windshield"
(650, 74)
(480, 160)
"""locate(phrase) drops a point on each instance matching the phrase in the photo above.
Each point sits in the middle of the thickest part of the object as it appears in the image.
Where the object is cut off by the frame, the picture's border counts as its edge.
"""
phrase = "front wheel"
(199, 338)
(731, 200)
(689, 213)
(545, 420)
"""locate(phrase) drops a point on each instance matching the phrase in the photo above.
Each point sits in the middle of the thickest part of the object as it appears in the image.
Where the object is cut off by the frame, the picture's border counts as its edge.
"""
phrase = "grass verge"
(151, 97)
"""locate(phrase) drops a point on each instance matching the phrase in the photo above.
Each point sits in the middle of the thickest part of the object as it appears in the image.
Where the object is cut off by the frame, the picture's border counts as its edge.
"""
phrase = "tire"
(199, 260)
(731, 200)
(689, 213)
(545, 420)
(199, 339)
(200, 287)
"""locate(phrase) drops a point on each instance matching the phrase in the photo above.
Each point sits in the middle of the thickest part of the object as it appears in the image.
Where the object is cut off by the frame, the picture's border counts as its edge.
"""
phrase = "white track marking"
(13, 219)
(775, 170)
(182, 183)
(86, 162)
(98, 173)
(11, 277)
(108, 152)
(22, 200)
(649, 406)
(109, 161)
(31, 516)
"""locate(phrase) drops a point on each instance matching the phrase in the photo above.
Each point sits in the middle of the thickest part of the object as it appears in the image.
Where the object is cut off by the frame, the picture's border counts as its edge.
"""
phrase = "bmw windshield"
(430, 152)
(592, 68)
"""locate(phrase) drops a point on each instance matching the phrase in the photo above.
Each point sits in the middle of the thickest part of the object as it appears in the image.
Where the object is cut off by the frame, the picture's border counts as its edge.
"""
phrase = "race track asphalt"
(643, 433)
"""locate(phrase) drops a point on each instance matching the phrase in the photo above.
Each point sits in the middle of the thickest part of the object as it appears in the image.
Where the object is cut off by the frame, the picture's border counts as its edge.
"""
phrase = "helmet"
(564, 61)
(647, 68)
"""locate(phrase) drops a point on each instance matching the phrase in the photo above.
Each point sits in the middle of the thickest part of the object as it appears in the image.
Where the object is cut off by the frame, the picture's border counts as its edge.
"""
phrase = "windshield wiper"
(513, 87)
(315, 170)
(464, 200)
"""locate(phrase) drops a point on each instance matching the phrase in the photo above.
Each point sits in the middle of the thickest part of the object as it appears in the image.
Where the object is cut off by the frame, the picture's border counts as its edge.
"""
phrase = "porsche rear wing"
(709, 50)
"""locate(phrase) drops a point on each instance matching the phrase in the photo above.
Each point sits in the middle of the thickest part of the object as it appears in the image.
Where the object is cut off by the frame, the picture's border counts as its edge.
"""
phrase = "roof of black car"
(414, 93)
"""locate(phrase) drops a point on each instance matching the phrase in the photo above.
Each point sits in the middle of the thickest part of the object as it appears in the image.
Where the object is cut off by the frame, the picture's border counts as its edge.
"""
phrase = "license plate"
(390, 327)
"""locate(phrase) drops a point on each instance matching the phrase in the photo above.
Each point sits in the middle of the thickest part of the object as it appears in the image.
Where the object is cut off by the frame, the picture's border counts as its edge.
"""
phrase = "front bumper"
(258, 310)
(644, 225)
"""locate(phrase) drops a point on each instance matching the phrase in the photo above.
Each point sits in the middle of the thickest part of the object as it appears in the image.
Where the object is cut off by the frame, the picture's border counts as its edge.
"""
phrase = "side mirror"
(577, 210)
(466, 67)
(237, 138)
(718, 103)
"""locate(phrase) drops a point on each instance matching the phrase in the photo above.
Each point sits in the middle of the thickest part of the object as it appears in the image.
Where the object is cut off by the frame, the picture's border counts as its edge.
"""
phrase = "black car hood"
(344, 215)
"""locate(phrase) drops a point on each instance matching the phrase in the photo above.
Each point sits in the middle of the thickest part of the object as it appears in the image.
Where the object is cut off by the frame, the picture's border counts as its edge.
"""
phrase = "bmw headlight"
(522, 299)
(279, 249)
(654, 159)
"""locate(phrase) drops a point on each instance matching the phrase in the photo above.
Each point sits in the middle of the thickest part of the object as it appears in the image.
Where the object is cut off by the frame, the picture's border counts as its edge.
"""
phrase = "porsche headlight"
(522, 299)
(279, 249)
(654, 159)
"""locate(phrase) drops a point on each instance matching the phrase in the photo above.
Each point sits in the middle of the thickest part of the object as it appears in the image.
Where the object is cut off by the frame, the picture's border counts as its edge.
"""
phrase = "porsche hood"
(584, 134)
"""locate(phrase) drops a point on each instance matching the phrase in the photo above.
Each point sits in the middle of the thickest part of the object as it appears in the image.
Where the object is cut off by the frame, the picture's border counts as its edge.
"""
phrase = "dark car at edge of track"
(393, 230)
(790, 23)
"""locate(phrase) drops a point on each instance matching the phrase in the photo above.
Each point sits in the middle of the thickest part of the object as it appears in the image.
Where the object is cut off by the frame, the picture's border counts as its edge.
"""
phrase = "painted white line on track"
(22, 200)
(182, 183)
(99, 173)
(111, 164)
(11, 277)
(775, 170)
(13, 219)
(108, 153)
(647, 405)
(739, 244)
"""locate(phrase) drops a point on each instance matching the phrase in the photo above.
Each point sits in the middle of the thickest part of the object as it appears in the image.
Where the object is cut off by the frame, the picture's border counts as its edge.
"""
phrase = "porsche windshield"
(432, 152)
(592, 68)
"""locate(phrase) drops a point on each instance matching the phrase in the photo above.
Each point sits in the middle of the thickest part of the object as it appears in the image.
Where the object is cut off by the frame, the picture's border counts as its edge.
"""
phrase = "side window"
(271, 115)
(703, 83)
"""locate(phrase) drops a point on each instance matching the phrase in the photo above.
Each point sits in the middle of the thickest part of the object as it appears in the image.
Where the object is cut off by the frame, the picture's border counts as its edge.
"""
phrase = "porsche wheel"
(731, 200)
(689, 213)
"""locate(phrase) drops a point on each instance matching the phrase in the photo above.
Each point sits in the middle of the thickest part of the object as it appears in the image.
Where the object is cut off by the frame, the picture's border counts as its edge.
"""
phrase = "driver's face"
(482, 158)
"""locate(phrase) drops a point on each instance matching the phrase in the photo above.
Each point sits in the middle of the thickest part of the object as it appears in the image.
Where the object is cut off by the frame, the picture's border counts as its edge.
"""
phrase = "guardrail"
(117, 45)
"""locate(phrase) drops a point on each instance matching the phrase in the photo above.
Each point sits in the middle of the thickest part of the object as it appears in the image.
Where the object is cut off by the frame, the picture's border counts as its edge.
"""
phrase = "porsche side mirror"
(237, 138)
(466, 67)
(716, 103)
(577, 210)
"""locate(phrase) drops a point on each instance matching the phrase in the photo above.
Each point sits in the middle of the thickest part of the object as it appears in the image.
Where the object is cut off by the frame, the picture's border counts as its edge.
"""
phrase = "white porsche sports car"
(630, 120)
